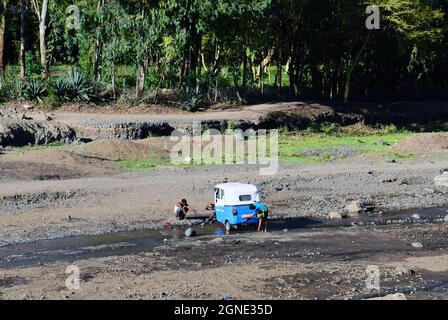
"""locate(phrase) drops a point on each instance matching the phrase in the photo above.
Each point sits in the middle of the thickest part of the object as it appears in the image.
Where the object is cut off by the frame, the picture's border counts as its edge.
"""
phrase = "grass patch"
(309, 148)
(50, 146)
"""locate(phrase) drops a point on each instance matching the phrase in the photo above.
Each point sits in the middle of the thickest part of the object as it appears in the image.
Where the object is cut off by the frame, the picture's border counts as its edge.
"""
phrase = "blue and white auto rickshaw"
(237, 204)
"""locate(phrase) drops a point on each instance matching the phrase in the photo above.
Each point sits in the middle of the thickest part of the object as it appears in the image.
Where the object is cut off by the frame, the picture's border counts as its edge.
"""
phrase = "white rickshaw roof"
(237, 188)
(234, 191)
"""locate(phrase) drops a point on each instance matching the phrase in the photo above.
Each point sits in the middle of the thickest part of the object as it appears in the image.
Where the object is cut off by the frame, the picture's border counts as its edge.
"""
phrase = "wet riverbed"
(132, 242)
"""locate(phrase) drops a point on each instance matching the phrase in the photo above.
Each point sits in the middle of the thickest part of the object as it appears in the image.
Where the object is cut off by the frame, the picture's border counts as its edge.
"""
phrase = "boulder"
(403, 270)
(334, 215)
(190, 233)
(417, 245)
(441, 180)
(416, 217)
(395, 296)
(446, 219)
(356, 207)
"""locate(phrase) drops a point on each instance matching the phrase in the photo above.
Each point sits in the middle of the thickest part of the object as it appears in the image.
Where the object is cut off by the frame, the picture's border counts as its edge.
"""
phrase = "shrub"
(35, 90)
(193, 102)
(18, 90)
(75, 87)
(52, 100)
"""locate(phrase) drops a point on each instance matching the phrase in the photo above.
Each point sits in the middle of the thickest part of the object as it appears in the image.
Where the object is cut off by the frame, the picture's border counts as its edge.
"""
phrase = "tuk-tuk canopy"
(234, 194)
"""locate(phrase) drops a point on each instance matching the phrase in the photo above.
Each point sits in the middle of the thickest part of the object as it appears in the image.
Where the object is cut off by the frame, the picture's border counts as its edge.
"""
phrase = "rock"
(395, 296)
(446, 219)
(416, 217)
(41, 117)
(355, 207)
(190, 233)
(334, 215)
(402, 270)
(27, 106)
(417, 245)
(441, 180)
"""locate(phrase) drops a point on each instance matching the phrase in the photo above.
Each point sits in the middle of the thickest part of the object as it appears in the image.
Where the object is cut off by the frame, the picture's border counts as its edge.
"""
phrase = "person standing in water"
(262, 215)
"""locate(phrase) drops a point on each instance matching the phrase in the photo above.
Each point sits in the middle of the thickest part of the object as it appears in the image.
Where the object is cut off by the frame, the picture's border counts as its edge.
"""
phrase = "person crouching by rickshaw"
(262, 215)
(181, 209)
(212, 217)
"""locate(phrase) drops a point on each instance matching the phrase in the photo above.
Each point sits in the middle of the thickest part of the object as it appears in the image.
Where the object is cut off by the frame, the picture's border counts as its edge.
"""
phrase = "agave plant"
(18, 89)
(61, 88)
(77, 87)
(35, 90)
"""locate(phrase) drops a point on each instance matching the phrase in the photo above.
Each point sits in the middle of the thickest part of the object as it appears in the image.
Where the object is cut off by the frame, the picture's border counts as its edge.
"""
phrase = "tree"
(23, 15)
(3, 18)
(42, 15)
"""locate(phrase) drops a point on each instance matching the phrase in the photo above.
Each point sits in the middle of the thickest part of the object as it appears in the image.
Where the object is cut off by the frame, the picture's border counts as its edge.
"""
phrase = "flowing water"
(132, 242)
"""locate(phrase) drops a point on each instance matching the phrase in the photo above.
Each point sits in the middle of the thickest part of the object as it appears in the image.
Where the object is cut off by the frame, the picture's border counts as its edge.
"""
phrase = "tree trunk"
(199, 64)
(43, 38)
(142, 68)
(98, 47)
(42, 15)
(291, 71)
(23, 14)
(141, 78)
(114, 86)
(3, 17)
(279, 70)
(353, 65)
(244, 85)
(43, 49)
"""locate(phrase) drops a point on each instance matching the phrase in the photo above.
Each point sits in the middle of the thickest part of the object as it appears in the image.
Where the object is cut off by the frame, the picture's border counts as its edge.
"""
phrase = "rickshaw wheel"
(228, 226)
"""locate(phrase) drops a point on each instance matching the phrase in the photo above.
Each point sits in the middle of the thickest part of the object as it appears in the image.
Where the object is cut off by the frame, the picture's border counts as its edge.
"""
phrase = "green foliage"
(33, 90)
(310, 49)
(52, 100)
(33, 67)
(18, 90)
(36, 90)
(75, 87)
(193, 102)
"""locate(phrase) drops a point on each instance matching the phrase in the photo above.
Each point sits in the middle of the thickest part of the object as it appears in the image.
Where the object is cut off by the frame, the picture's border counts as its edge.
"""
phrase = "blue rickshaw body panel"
(246, 214)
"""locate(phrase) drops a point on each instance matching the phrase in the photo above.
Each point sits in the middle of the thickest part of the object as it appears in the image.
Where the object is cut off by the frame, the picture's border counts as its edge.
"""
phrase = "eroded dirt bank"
(292, 264)
(20, 126)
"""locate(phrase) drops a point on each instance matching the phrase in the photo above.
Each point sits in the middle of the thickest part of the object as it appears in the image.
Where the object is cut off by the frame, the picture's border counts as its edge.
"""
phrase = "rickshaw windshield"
(246, 197)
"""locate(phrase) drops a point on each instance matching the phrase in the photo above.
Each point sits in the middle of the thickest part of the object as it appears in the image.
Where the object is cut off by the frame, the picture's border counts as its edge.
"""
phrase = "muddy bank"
(19, 133)
(297, 264)
(65, 126)
(143, 240)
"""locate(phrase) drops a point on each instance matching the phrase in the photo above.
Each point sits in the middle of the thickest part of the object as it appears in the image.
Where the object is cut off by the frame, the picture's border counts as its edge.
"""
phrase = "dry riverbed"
(288, 264)
(93, 197)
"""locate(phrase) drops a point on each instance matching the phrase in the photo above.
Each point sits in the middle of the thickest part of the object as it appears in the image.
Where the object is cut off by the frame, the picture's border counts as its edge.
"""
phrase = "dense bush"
(75, 87)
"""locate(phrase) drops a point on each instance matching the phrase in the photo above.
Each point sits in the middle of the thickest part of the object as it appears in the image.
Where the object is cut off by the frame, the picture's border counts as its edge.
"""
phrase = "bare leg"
(266, 226)
(259, 224)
